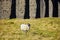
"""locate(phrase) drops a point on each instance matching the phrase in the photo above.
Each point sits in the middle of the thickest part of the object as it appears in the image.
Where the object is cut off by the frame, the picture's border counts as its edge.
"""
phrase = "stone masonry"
(32, 8)
(59, 9)
(42, 8)
(20, 8)
(50, 9)
(5, 8)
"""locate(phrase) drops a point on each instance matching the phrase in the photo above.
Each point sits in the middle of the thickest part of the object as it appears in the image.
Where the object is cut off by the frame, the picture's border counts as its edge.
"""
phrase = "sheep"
(25, 27)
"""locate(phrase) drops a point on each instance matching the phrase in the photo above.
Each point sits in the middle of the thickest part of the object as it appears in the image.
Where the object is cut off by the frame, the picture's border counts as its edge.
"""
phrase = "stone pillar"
(32, 4)
(58, 9)
(20, 8)
(0, 9)
(50, 8)
(5, 8)
(42, 8)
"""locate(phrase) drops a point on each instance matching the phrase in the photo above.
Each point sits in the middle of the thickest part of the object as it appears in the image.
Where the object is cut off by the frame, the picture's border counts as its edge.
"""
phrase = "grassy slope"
(41, 29)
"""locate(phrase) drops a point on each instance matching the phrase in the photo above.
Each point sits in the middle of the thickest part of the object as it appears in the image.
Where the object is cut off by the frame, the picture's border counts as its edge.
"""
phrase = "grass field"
(41, 29)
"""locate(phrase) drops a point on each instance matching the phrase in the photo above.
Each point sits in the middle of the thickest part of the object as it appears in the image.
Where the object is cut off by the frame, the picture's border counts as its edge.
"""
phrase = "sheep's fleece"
(24, 27)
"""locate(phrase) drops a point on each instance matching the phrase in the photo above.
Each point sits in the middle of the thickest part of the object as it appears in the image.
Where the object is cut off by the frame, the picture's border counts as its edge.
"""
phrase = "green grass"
(41, 29)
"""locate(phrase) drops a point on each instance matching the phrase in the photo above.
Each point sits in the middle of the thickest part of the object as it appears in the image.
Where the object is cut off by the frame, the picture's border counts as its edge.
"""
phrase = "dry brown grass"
(41, 29)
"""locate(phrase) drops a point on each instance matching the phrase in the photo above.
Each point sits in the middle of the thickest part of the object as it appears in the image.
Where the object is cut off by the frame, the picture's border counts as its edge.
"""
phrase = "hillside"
(41, 29)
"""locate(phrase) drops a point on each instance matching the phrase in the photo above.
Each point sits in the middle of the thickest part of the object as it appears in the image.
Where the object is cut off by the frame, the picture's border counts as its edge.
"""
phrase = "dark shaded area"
(0, 0)
(38, 9)
(58, 0)
(13, 9)
(26, 15)
(55, 8)
(47, 8)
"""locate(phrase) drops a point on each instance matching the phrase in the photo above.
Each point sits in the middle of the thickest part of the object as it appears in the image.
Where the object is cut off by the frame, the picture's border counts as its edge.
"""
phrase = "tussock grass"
(41, 29)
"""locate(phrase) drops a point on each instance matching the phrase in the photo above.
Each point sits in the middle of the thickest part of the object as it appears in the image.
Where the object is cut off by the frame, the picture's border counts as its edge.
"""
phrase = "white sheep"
(25, 27)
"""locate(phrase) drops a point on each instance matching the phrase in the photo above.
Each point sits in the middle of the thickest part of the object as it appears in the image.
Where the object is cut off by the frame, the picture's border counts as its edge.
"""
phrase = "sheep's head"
(28, 24)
